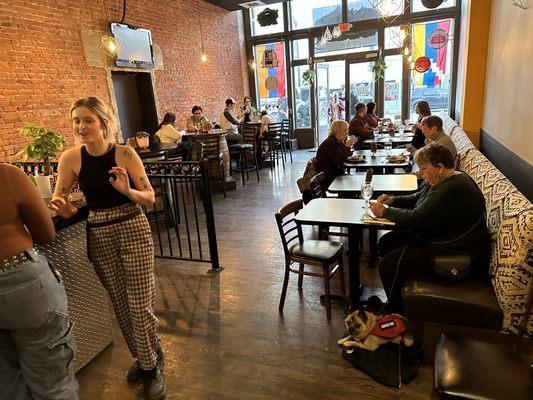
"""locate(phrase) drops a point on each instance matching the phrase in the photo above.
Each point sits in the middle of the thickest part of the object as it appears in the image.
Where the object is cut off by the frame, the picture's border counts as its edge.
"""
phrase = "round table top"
(155, 150)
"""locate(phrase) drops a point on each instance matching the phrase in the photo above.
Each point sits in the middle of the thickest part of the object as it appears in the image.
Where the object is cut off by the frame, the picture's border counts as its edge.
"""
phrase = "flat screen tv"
(135, 49)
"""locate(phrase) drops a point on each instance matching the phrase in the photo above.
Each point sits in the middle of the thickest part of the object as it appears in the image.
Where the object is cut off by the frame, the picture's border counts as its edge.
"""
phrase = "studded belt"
(12, 262)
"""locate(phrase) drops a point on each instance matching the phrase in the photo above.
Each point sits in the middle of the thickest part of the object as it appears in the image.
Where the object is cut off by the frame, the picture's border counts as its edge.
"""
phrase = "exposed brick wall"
(43, 67)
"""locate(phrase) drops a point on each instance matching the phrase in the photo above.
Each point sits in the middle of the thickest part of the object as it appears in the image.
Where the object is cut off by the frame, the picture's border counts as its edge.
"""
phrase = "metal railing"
(182, 218)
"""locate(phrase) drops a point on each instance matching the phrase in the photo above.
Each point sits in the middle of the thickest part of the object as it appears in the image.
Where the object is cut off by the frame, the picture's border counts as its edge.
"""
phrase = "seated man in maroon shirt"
(333, 151)
(358, 126)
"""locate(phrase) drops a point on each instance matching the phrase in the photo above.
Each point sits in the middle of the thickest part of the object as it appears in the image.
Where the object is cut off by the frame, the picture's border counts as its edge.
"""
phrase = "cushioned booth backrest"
(448, 124)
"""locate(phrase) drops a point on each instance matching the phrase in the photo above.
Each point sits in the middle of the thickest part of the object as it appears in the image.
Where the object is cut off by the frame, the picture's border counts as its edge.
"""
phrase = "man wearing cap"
(228, 121)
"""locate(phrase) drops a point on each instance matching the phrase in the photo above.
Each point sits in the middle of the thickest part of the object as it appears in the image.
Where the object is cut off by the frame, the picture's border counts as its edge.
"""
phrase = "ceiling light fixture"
(203, 54)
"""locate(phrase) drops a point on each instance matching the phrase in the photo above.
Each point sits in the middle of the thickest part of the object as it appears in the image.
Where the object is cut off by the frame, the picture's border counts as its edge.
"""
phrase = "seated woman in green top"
(247, 110)
(196, 122)
(447, 216)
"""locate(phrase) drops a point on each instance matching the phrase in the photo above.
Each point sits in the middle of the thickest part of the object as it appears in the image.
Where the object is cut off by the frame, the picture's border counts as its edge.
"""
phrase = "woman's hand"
(63, 207)
(377, 208)
(121, 181)
(410, 148)
(350, 142)
(385, 199)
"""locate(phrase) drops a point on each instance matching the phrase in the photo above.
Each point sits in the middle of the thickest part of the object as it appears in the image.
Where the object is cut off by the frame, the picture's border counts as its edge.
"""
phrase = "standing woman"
(120, 246)
(36, 342)
(423, 111)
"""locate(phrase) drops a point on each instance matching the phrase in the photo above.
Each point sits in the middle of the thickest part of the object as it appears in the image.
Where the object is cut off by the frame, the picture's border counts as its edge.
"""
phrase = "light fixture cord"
(123, 12)
(200, 25)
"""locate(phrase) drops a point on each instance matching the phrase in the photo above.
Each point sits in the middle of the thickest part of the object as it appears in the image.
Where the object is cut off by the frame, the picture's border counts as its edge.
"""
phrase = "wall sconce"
(252, 63)
(203, 55)
(109, 45)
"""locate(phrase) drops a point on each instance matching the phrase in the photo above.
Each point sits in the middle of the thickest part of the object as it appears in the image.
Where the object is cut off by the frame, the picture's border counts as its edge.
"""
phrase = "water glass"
(367, 190)
(401, 129)
(388, 147)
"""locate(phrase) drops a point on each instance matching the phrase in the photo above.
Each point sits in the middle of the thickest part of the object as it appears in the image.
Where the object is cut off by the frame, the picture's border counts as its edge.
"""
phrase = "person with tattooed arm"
(119, 242)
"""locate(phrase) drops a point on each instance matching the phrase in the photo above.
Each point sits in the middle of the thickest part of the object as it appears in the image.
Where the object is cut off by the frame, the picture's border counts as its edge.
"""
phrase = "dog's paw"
(343, 340)
(408, 340)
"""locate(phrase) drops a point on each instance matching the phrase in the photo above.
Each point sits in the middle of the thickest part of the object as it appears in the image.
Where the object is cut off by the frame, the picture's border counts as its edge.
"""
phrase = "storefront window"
(432, 40)
(417, 5)
(350, 42)
(300, 49)
(362, 85)
(302, 98)
(256, 27)
(270, 79)
(360, 10)
(310, 13)
(392, 38)
(393, 87)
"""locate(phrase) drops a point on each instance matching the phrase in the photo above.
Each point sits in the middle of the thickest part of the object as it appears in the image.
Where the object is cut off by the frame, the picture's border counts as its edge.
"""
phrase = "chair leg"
(284, 288)
(327, 298)
(246, 165)
(242, 166)
(222, 180)
(301, 277)
(282, 154)
(256, 166)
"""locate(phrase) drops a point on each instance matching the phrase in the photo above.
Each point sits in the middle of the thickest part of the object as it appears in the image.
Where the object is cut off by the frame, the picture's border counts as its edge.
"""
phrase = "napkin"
(378, 221)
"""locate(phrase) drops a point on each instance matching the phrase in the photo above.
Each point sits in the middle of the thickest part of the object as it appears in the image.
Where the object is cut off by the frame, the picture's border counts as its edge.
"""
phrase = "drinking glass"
(367, 190)
(388, 147)
(401, 128)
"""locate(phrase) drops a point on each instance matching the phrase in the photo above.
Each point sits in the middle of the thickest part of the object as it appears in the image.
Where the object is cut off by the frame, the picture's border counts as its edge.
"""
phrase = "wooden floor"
(222, 334)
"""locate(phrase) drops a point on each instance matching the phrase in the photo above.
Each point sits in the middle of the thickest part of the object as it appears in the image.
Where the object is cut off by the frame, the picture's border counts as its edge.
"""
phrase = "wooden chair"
(286, 136)
(211, 152)
(321, 254)
(244, 150)
(272, 142)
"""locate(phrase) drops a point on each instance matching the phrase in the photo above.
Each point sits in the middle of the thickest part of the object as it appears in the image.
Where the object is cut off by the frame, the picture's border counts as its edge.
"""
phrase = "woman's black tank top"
(94, 180)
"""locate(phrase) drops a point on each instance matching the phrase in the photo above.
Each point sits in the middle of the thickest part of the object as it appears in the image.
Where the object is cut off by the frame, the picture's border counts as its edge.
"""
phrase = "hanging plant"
(308, 77)
(379, 68)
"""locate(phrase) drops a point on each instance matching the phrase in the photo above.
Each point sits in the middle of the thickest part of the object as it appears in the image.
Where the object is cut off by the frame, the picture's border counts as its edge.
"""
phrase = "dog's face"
(357, 323)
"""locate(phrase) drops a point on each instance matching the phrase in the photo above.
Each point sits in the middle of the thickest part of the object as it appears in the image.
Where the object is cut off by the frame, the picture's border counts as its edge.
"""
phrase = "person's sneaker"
(154, 386)
(135, 372)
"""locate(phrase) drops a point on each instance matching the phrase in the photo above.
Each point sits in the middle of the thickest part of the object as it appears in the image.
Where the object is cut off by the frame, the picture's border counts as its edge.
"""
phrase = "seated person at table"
(333, 151)
(168, 134)
(432, 129)
(358, 126)
(196, 121)
(371, 118)
(265, 120)
(423, 111)
(247, 110)
(447, 216)
(228, 122)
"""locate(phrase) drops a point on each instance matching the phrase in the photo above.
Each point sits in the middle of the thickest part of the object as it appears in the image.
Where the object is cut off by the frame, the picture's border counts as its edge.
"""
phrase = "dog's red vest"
(389, 326)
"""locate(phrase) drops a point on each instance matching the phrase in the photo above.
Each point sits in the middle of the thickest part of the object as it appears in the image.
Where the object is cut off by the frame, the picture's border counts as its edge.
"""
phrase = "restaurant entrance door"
(330, 95)
(135, 102)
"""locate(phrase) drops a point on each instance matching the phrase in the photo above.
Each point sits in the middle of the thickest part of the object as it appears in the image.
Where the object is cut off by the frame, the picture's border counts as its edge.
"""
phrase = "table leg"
(353, 266)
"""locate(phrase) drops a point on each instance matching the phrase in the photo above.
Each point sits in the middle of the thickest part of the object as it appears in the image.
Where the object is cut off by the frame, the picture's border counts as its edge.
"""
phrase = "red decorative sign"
(438, 39)
(422, 64)
(345, 27)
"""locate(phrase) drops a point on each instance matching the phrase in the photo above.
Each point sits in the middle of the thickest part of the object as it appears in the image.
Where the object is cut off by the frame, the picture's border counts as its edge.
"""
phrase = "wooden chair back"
(317, 185)
(211, 145)
(289, 230)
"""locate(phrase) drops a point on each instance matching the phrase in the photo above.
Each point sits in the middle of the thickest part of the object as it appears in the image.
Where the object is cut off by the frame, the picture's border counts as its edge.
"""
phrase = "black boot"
(154, 386)
(135, 372)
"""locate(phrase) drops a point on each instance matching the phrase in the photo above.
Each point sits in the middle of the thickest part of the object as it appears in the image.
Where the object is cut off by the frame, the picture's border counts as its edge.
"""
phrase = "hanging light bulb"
(403, 32)
(251, 63)
(109, 45)
(406, 51)
(203, 56)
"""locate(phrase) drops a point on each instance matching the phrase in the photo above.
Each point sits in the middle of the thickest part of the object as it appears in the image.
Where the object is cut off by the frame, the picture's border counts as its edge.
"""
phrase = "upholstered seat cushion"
(471, 369)
(464, 303)
(240, 146)
(318, 249)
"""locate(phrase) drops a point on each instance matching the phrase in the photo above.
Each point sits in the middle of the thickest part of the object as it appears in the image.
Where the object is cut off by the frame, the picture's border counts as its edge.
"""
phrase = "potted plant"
(379, 68)
(308, 77)
(142, 139)
(44, 145)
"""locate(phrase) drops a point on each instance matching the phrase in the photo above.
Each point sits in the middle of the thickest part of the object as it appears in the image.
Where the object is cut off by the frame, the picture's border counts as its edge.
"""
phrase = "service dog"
(368, 331)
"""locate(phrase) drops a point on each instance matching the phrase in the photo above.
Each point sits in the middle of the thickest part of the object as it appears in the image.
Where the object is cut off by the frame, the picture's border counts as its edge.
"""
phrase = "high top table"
(347, 213)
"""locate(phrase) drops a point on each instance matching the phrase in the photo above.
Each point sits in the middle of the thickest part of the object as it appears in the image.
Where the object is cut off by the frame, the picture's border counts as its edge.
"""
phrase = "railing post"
(205, 191)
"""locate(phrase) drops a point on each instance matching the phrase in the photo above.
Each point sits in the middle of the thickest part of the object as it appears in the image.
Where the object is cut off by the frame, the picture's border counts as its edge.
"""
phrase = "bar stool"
(244, 150)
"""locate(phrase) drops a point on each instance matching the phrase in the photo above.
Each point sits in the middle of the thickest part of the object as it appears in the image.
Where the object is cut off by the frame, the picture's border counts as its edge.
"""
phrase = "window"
(270, 79)
(360, 10)
(300, 49)
(302, 98)
(361, 85)
(417, 5)
(393, 87)
(392, 38)
(434, 84)
(350, 42)
(310, 13)
(264, 30)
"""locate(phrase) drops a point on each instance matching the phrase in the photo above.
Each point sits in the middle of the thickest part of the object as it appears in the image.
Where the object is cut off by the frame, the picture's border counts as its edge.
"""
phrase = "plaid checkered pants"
(123, 257)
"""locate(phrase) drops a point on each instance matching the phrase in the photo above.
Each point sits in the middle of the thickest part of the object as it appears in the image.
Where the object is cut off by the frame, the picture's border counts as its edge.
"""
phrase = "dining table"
(396, 140)
(350, 185)
(348, 213)
(155, 150)
(378, 161)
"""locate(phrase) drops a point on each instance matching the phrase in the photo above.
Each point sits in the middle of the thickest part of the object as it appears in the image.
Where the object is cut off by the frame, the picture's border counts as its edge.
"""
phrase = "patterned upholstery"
(510, 223)
(448, 124)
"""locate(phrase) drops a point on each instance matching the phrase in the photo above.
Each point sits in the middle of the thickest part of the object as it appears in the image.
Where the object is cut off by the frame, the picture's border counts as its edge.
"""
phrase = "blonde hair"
(104, 113)
(335, 126)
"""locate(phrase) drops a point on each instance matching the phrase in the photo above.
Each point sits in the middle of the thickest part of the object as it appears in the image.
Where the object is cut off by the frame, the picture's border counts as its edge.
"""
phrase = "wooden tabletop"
(395, 183)
(333, 211)
(155, 150)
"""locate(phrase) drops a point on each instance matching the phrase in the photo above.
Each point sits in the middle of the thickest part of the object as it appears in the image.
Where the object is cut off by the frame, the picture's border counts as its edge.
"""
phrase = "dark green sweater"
(443, 212)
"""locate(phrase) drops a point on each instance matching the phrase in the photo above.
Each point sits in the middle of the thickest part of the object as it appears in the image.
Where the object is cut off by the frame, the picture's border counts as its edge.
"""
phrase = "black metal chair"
(272, 144)
(286, 136)
(211, 152)
(245, 150)
(315, 253)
